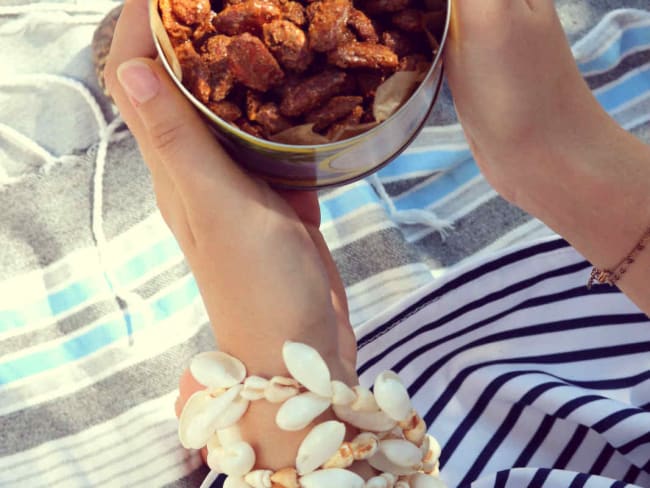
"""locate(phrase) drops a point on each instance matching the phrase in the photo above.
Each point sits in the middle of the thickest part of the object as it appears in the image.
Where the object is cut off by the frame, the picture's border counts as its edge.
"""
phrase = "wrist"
(277, 448)
(258, 348)
(594, 190)
(324, 432)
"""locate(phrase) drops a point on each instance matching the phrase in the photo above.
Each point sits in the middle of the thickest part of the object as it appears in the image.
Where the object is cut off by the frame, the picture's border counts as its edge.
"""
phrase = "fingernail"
(139, 82)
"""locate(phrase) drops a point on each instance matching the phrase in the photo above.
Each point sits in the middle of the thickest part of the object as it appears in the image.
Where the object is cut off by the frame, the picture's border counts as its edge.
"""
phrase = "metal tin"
(309, 167)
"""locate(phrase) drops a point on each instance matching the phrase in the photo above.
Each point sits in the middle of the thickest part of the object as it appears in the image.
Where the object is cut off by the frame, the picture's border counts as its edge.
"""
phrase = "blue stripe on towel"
(633, 39)
(417, 162)
(86, 291)
(155, 257)
(356, 197)
(99, 336)
(626, 89)
(54, 304)
(439, 187)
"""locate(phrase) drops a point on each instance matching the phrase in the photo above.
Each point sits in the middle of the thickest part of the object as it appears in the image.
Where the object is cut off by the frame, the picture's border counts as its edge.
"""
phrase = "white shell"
(235, 482)
(414, 428)
(342, 394)
(431, 469)
(201, 426)
(342, 458)
(232, 414)
(298, 412)
(374, 421)
(254, 387)
(193, 407)
(330, 478)
(390, 478)
(364, 445)
(234, 460)
(319, 445)
(424, 446)
(421, 480)
(430, 458)
(216, 369)
(213, 442)
(376, 482)
(260, 478)
(280, 389)
(434, 447)
(402, 484)
(364, 401)
(392, 397)
(394, 433)
(308, 367)
(230, 435)
(381, 463)
(285, 478)
(401, 452)
(213, 459)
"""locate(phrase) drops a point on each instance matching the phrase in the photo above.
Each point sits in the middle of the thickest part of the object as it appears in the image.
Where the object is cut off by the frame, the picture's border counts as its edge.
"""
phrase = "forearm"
(255, 327)
(260, 349)
(597, 196)
(540, 137)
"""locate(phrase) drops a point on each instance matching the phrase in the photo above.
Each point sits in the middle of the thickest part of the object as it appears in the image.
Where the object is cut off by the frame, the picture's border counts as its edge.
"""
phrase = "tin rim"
(310, 148)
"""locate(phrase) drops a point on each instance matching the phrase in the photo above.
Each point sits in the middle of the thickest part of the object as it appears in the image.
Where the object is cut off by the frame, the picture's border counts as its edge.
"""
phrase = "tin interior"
(281, 184)
(172, 67)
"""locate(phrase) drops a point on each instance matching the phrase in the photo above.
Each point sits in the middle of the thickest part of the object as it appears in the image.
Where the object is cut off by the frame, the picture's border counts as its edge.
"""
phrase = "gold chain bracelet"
(611, 276)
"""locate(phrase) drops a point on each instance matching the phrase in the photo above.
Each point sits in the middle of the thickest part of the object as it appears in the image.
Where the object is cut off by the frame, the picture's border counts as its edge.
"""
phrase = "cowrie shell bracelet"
(393, 438)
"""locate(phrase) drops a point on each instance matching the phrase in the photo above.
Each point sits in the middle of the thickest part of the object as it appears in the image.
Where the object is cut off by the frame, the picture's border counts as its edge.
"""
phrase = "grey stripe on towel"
(97, 403)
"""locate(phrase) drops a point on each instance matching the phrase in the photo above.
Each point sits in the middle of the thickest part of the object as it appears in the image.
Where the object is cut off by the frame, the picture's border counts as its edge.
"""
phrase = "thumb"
(173, 135)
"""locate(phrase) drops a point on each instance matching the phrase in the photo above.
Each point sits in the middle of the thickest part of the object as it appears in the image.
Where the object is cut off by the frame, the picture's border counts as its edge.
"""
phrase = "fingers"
(184, 158)
(135, 15)
(179, 140)
(132, 38)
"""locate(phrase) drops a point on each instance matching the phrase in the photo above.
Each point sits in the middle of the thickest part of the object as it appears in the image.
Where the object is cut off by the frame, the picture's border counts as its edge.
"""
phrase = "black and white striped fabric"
(525, 377)
(514, 364)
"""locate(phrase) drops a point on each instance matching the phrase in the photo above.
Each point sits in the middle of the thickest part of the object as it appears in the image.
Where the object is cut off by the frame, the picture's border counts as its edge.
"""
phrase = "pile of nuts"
(271, 65)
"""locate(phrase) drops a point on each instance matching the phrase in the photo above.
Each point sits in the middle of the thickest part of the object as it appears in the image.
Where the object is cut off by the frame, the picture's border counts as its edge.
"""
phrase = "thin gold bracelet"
(611, 276)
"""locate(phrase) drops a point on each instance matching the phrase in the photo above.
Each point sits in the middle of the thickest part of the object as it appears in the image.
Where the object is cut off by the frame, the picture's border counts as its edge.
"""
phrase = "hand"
(519, 95)
(541, 138)
(261, 264)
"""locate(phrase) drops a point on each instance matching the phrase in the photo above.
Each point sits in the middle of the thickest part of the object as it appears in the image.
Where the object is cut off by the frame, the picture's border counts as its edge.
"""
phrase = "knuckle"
(166, 135)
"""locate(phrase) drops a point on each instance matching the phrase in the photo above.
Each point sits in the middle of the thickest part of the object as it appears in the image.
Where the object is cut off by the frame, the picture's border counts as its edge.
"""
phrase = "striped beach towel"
(99, 313)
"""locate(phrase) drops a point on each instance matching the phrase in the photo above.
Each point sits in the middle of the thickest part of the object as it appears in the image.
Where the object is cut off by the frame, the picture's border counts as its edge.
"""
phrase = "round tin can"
(309, 167)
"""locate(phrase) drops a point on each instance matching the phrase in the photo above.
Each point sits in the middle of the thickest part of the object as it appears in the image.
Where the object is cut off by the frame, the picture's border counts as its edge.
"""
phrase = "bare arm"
(542, 139)
(599, 200)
